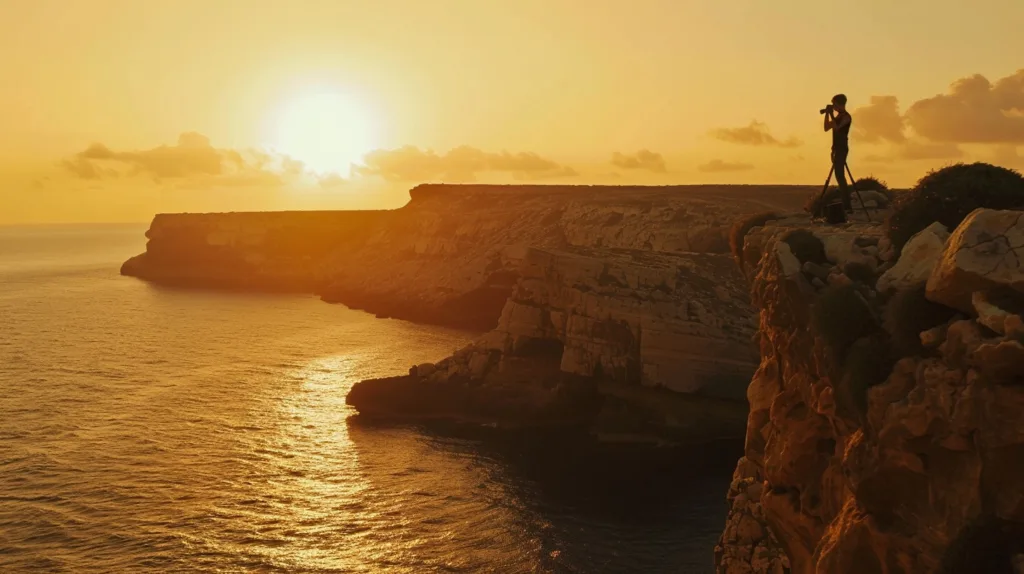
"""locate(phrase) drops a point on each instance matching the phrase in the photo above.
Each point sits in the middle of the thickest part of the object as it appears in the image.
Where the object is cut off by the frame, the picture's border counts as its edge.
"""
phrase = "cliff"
(633, 345)
(450, 256)
(618, 309)
(261, 251)
(621, 311)
(886, 423)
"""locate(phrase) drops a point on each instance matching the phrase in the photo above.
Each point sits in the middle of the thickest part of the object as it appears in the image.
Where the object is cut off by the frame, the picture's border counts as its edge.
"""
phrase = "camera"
(825, 110)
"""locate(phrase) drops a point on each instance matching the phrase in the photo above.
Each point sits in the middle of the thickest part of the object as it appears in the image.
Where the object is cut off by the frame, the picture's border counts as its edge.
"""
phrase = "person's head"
(839, 102)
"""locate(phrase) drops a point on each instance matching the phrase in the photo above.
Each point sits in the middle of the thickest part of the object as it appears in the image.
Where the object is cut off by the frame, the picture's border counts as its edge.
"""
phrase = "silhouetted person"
(838, 120)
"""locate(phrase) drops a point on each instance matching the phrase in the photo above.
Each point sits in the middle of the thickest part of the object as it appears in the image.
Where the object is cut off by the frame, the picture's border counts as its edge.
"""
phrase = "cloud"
(643, 159)
(879, 121)
(974, 111)
(192, 159)
(911, 150)
(755, 134)
(83, 168)
(914, 149)
(331, 181)
(1007, 156)
(461, 164)
(717, 165)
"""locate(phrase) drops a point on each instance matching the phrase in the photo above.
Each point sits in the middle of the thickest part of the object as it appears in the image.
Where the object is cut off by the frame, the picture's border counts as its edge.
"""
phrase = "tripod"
(831, 170)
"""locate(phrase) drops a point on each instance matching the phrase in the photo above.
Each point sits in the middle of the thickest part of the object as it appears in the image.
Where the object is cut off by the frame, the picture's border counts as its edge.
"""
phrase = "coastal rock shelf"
(886, 424)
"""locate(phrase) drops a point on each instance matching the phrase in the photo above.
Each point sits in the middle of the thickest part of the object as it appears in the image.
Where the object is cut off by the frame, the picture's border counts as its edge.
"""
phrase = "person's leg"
(839, 165)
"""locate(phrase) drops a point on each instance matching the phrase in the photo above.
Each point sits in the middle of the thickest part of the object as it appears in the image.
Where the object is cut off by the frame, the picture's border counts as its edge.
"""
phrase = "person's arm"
(829, 122)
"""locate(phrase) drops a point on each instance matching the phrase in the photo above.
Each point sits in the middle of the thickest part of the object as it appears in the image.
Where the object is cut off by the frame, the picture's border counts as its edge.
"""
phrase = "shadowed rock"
(877, 455)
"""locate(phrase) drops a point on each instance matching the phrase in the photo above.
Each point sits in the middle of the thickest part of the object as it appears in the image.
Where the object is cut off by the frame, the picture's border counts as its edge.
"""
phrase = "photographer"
(838, 120)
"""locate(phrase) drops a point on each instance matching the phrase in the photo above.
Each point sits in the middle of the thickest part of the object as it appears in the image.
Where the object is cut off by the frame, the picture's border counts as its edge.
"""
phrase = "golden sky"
(113, 110)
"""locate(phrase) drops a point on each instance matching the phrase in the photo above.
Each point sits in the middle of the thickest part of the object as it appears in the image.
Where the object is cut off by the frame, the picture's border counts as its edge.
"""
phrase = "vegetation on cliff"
(949, 194)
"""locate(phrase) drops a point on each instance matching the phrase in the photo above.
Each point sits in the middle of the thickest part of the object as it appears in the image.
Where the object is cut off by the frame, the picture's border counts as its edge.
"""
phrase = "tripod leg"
(857, 191)
(821, 198)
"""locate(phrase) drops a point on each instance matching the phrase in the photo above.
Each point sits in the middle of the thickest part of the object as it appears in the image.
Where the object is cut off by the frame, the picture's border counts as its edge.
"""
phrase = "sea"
(148, 429)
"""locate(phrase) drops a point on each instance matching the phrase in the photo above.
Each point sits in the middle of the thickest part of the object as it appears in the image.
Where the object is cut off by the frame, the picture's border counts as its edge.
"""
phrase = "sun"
(327, 130)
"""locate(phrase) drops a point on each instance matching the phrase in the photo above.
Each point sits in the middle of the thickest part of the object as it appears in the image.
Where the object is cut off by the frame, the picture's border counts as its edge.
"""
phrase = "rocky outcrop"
(678, 321)
(886, 431)
(916, 261)
(282, 251)
(615, 308)
(625, 315)
(986, 251)
(630, 344)
(451, 255)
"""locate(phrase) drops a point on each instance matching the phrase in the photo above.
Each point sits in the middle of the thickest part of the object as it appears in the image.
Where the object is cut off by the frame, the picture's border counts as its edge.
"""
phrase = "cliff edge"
(451, 256)
(886, 423)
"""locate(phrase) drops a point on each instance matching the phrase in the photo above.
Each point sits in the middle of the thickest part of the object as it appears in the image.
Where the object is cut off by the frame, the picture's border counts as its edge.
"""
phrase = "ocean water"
(145, 429)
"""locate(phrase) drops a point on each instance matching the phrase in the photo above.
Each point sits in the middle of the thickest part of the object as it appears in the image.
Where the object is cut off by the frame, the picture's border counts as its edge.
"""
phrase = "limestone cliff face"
(282, 251)
(453, 254)
(633, 345)
(677, 321)
(886, 424)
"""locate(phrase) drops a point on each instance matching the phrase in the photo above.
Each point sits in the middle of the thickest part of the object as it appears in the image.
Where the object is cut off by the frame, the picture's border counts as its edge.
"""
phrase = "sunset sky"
(113, 110)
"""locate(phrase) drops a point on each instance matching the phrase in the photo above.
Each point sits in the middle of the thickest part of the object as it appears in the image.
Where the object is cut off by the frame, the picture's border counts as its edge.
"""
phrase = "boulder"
(424, 370)
(917, 260)
(1003, 361)
(986, 251)
(790, 264)
(991, 315)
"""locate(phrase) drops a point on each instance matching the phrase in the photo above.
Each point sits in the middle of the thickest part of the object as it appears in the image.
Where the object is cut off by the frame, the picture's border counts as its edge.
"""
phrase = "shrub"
(907, 314)
(840, 317)
(817, 201)
(740, 229)
(871, 183)
(950, 194)
(859, 272)
(805, 245)
(868, 363)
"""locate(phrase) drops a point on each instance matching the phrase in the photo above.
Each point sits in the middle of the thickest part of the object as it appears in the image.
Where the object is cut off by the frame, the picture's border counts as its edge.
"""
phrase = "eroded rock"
(903, 473)
(986, 251)
(917, 260)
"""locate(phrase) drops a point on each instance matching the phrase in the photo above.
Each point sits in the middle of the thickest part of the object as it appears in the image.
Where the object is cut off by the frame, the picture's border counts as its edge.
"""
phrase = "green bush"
(805, 245)
(740, 229)
(950, 194)
(906, 315)
(841, 316)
